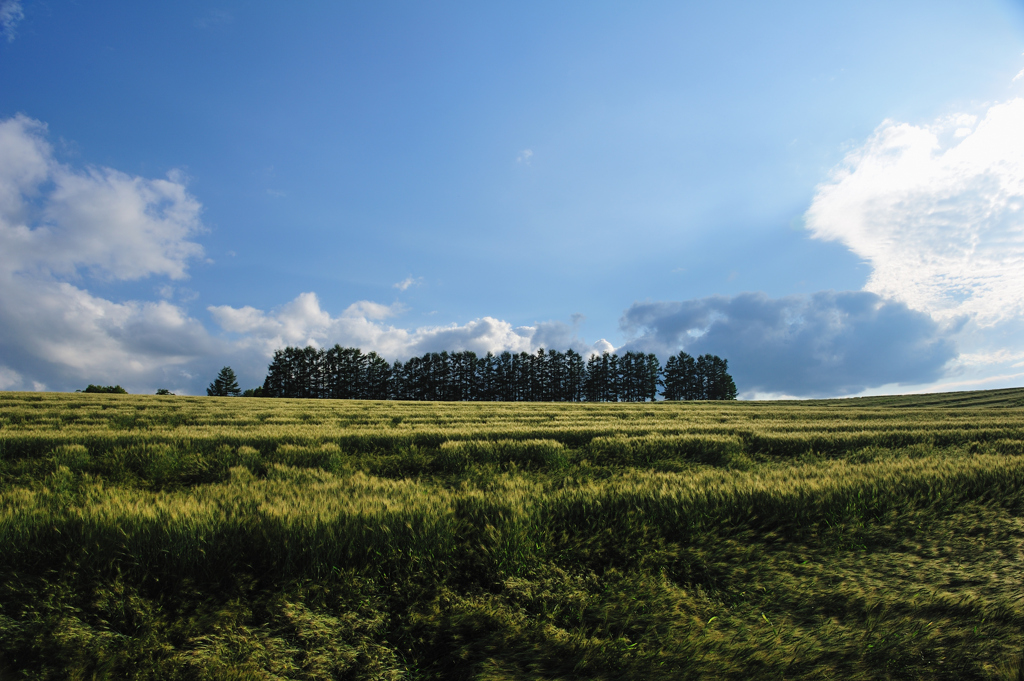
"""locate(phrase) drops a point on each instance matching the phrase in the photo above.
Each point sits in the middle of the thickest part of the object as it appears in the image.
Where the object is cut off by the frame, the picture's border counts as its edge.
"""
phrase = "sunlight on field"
(173, 537)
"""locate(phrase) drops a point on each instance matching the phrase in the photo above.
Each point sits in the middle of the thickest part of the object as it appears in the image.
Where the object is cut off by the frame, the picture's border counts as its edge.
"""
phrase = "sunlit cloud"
(938, 213)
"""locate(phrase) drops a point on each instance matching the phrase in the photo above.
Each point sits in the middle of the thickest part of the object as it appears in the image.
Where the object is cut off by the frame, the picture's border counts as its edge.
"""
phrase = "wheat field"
(190, 538)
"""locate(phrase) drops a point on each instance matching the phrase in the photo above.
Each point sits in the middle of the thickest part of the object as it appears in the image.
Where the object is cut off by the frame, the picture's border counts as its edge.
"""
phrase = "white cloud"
(302, 322)
(995, 357)
(56, 220)
(407, 283)
(59, 225)
(62, 227)
(524, 156)
(371, 310)
(940, 222)
(10, 14)
(65, 335)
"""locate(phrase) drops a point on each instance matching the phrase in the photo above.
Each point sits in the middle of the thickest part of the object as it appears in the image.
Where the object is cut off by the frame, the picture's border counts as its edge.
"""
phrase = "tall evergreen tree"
(704, 378)
(652, 377)
(720, 383)
(487, 377)
(505, 376)
(225, 385)
(376, 379)
(681, 378)
(575, 376)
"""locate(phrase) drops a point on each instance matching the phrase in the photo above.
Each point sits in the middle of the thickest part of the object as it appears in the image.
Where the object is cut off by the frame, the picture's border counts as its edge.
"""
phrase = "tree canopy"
(105, 389)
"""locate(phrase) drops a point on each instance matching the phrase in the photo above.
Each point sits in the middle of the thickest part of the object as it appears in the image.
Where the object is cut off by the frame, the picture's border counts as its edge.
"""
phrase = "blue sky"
(828, 196)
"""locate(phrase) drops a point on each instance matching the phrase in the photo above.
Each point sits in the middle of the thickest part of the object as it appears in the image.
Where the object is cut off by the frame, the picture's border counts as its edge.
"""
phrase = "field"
(242, 538)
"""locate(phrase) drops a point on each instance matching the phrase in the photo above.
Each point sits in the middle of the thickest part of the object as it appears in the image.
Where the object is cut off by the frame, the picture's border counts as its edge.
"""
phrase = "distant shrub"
(105, 389)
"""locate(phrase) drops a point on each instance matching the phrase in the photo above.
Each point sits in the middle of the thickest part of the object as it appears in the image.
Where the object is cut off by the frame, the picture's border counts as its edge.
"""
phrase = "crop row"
(298, 521)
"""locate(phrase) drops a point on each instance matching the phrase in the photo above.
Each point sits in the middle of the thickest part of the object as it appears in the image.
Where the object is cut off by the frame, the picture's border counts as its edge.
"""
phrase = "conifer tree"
(225, 385)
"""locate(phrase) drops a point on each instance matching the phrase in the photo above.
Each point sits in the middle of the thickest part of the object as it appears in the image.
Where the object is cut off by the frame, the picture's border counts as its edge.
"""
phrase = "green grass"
(176, 537)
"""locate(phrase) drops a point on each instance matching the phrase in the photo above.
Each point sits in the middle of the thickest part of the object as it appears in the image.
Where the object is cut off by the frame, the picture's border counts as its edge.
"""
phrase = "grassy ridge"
(153, 537)
(1005, 397)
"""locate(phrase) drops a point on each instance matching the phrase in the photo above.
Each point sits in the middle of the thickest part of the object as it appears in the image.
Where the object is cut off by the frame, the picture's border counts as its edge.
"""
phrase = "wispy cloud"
(524, 156)
(11, 14)
(214, 17)
(407, 283)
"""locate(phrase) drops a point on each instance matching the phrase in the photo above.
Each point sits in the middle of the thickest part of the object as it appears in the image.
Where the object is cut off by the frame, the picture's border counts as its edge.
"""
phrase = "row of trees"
(545, 376)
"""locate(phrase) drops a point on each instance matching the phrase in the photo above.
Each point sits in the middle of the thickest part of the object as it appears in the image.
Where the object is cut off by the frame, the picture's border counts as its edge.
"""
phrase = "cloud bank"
(59, 226)
(63, 227)
(938, 212)
(826, 344)
(302, 322)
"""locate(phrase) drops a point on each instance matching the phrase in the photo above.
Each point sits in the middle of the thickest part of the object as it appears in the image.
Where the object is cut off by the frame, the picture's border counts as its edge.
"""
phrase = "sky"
(830, 196)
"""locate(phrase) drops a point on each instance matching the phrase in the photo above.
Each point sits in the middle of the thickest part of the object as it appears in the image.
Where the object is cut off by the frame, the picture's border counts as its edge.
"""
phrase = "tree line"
(544, 376)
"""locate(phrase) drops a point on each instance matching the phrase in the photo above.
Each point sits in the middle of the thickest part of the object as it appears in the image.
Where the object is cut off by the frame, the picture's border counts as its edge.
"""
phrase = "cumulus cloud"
(62, 228)
(59, 225)
(56, 220)
(938, 212)
(303, 322)
(827, 344)
(65, 336)
(10, 15)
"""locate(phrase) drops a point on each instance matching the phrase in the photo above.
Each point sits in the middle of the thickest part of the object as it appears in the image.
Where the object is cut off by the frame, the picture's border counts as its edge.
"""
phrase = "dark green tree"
(115, 389)
(720, 385)
(704, 378)
(680, 378)
(225, 385)
(575, 376)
